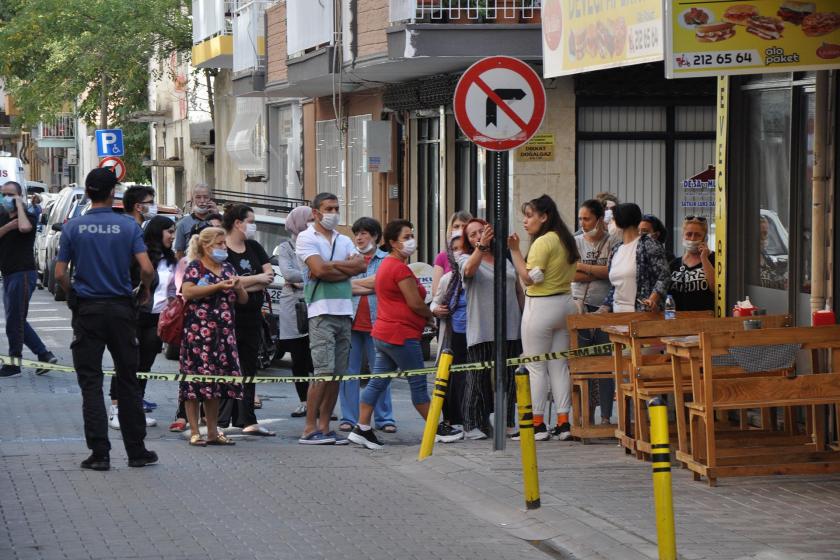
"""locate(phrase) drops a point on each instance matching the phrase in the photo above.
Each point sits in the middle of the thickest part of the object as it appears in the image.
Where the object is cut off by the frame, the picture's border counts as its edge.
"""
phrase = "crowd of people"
(350, 301)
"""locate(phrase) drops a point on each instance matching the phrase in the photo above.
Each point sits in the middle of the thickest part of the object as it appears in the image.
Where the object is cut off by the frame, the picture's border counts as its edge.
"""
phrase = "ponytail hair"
(198, 243)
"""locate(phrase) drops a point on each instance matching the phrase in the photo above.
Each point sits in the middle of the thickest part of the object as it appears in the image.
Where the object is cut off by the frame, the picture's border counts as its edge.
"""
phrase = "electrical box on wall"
(377, 142)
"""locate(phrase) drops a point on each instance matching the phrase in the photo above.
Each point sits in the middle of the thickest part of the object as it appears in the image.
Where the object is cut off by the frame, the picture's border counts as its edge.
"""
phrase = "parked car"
(62, 210)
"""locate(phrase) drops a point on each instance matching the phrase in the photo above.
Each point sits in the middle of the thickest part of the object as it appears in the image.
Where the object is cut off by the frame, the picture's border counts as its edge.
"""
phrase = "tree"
(91, 56)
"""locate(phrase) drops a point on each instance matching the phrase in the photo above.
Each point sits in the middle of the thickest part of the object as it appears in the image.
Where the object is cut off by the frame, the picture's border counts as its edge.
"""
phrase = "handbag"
(302, 308)
(171, 321)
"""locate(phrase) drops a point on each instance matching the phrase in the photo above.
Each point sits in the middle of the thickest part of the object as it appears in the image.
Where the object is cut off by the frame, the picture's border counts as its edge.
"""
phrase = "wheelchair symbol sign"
(109, 143)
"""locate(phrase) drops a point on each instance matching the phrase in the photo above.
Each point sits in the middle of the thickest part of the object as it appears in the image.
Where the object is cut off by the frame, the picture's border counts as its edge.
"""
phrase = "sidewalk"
(597, 502)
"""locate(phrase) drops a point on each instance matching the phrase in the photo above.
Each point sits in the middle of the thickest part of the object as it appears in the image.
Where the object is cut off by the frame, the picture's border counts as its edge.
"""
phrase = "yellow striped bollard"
(528, 449)
(438, 395)
(663, 499)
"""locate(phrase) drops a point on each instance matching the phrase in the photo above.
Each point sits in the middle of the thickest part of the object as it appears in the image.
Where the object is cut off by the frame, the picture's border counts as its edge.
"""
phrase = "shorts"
(329, 343)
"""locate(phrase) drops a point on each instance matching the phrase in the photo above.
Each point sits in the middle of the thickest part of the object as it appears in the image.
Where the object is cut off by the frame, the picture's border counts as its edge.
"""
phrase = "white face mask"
(592, 233)
(201, 209)
(367, 248)
(409, 246)
(691, 246)
(150, 212)
(250, 231)
(330, 221)
(607, 216)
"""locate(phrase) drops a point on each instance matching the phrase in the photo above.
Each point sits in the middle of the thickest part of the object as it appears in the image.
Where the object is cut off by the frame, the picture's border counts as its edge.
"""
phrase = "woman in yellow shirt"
(547, 273)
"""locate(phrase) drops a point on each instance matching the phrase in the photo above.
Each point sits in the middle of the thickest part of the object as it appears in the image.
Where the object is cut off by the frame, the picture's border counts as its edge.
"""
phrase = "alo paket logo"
(776, 55)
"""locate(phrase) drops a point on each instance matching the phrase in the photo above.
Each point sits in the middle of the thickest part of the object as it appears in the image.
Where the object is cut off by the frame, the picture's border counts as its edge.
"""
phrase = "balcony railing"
(309, 24)
(465, 11)
(62, 128)
(211, 18)
(249, 35)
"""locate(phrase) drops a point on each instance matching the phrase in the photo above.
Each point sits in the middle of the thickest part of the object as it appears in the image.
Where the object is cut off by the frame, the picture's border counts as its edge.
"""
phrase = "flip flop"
(260, 431)
(389, 429)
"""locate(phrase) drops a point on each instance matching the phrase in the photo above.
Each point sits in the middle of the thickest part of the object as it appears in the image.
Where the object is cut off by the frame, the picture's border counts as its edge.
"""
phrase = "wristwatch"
(483, 248)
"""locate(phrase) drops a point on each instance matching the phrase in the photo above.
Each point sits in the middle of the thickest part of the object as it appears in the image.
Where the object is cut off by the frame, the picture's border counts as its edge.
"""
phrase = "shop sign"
(539, 148)
(742, 37)
(585, 35)
(699, 193)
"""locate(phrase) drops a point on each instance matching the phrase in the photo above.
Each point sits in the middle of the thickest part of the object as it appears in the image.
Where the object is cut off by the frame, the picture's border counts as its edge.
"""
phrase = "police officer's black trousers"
(110, 323)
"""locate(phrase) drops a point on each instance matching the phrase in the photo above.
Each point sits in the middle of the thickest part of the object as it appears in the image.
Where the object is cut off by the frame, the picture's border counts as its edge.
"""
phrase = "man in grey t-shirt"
(202, 206)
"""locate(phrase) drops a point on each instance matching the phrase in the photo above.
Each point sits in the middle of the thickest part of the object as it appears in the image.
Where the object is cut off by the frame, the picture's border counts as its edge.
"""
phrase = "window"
(341, 168)
(284, 151)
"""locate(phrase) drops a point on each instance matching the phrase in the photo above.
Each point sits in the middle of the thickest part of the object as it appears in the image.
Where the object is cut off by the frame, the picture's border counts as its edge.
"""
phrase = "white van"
(11, 169)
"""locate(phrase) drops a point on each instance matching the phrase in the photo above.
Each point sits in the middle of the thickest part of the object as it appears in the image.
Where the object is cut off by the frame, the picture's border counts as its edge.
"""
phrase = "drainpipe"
(818, 208)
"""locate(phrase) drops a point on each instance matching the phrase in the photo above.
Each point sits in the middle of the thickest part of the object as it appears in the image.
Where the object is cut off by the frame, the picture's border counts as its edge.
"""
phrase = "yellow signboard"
(722, 131)
(584, 35)
(539, 148)
(750, 37)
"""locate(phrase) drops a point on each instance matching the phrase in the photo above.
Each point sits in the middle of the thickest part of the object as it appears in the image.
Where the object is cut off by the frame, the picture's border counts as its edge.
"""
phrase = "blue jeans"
(17, 291)
(361, 344)
(391, 357)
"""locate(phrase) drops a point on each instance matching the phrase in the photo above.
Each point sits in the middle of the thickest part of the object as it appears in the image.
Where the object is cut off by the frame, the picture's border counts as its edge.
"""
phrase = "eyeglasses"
(701, 219)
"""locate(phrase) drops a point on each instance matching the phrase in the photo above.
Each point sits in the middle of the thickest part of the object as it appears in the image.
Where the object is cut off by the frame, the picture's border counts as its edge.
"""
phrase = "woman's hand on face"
(704, 251)
(441, 311)
(513, 242)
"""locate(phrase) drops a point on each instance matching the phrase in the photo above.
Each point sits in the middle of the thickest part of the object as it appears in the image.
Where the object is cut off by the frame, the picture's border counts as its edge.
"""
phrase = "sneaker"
(365, 438)
(97, 462)
(562, 432)
(541, 432)
(300, 411)
(448, 434)
(147, 458)
(150, 422)
(475, 433)
(316, 438)
(9, 371)
(113, 417)
(45, 357)
(148, 406)
(338, 439)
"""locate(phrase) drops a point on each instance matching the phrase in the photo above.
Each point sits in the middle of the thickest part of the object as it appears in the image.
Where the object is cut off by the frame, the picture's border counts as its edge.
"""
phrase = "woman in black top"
(255, 273)
(693, 274)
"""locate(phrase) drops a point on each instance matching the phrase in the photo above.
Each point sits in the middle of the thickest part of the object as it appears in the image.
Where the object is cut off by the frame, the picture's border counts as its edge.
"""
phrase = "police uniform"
(101, 245)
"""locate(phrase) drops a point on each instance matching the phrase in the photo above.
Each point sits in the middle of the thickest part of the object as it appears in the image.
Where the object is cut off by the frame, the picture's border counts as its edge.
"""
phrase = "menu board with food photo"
(584, 35)
(742, 37)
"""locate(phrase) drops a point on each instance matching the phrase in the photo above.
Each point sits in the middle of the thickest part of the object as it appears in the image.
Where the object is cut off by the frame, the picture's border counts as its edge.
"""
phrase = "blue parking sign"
(109, 143)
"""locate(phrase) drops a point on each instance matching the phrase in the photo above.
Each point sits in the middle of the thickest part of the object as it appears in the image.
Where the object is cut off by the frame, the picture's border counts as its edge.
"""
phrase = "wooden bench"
(788, 452)
(585, 369)
(653, 375)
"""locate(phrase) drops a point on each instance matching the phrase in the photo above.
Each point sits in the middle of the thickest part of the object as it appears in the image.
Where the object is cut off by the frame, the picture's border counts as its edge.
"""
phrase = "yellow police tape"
(151, 376)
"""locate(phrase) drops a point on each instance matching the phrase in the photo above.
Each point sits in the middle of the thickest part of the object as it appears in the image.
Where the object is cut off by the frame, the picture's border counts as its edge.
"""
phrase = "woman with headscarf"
(291, 339)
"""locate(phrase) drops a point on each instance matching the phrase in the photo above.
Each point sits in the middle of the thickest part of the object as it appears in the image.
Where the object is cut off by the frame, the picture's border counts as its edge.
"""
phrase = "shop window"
(428, 188)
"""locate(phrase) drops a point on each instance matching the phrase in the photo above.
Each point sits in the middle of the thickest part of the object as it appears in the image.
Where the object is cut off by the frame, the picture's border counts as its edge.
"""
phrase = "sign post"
(499, 105)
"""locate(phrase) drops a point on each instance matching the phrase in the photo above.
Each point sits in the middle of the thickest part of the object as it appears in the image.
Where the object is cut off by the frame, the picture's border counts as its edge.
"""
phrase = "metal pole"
(500, 227)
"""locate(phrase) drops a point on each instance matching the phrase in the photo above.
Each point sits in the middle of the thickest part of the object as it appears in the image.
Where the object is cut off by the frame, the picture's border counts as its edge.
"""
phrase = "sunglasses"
(701, 219)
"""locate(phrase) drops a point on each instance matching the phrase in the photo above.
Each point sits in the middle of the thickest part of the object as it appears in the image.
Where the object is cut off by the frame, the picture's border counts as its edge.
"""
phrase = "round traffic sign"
(115, 164)
(499, 103)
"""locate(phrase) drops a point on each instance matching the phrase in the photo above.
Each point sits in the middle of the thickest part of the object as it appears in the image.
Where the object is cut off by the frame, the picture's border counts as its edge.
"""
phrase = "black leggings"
(301, 362)
(240, 413)
(149, 346)
(454, 405)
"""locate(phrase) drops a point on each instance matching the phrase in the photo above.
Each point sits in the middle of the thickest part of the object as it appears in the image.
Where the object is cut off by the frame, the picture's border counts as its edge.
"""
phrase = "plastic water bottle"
(670, 307)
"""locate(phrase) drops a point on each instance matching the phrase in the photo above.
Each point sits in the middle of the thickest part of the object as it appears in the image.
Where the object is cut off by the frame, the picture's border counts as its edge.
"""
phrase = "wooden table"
(623, 366)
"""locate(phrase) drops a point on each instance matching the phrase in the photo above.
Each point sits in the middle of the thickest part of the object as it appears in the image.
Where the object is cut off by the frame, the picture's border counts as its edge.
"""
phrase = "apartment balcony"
(212, 33)
(59, 133)
(249, 56)
(312, 59)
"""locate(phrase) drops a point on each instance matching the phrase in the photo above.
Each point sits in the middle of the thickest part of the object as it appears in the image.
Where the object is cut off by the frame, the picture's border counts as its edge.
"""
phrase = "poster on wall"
(585, 35)
(763, 36)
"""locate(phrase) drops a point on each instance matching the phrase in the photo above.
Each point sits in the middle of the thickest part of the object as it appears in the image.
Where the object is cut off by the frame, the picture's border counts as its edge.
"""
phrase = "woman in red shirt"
(401, 315)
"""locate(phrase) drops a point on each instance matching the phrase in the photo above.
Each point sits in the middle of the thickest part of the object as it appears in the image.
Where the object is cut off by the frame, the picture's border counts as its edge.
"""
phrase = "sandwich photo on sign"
(795, 12)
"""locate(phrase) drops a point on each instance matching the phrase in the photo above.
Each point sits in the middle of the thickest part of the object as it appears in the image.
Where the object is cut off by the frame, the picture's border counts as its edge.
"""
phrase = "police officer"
(101, 244)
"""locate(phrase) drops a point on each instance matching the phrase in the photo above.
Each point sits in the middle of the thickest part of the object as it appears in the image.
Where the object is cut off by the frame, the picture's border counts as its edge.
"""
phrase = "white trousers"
(544, 330)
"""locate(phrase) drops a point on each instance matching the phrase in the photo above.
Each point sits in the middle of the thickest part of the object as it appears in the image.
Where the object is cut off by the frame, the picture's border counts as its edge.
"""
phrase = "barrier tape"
(152, 376)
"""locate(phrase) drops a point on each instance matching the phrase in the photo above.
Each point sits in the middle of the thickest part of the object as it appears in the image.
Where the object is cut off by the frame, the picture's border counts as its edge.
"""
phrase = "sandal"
(257, 403)
(198, 441)
(221, 439)
(389, 429)
(259, 431)
(345, 427)
(178, 425)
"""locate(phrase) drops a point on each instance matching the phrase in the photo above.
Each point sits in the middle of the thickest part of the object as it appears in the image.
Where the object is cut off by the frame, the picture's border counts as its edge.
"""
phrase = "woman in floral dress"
(208, 343)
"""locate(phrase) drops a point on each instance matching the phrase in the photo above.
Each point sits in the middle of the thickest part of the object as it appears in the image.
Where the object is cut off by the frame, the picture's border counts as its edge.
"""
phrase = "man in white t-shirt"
(330, 260)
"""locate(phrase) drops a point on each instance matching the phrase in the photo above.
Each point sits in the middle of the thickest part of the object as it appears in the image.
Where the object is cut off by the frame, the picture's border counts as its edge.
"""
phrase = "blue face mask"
(9, 203)
(219, 255)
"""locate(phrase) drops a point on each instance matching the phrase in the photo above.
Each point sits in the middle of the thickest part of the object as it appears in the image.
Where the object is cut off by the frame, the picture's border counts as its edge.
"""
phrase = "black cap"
(101, 179)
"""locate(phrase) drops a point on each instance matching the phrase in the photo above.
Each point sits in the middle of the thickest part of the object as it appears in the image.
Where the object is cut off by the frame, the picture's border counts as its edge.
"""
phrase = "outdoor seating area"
(744, 399)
